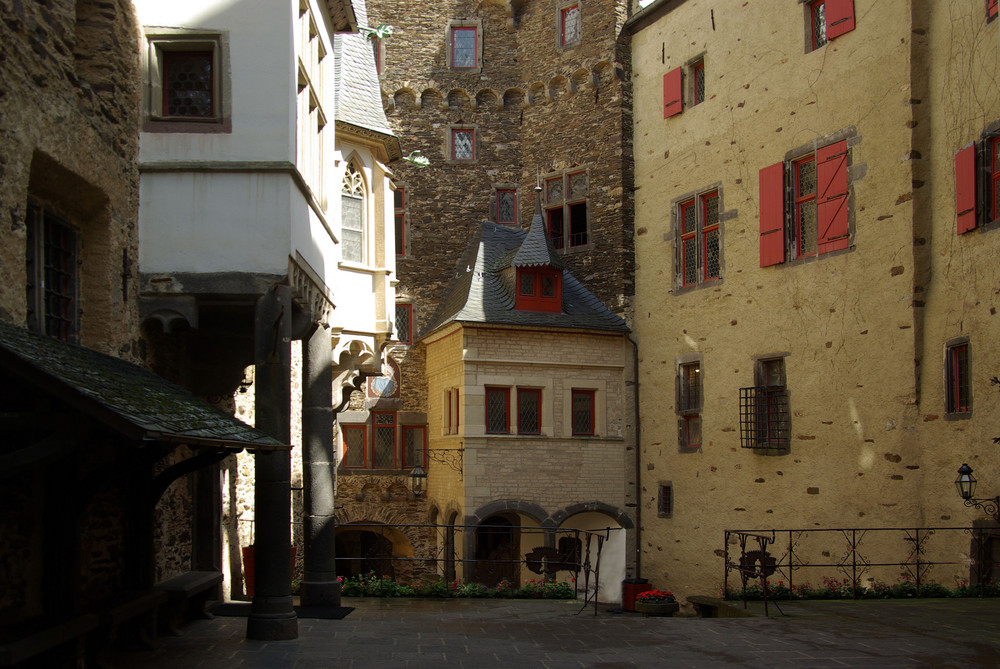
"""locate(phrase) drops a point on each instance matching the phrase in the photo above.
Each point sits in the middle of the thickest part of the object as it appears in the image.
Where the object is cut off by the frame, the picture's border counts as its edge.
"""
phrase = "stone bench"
(188, 595)
(67, 638)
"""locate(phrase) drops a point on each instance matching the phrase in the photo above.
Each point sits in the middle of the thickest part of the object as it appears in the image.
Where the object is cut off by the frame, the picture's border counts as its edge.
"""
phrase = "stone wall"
(69, 128)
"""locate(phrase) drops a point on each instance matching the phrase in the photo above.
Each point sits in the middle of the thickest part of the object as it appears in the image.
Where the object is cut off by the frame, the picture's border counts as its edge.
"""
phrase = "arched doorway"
(497, 544)
(600, 535)
(371, 547)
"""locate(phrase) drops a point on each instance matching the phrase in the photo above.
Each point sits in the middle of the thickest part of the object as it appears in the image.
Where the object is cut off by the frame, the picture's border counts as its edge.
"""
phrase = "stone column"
(272, 616)
(319, 583)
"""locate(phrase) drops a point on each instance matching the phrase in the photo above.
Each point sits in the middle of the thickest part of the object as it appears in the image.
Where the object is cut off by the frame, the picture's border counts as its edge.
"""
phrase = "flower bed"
(833, 588)
(373, 585)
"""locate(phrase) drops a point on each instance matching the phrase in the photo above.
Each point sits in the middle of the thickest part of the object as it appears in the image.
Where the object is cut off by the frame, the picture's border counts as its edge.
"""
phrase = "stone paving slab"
(518, 634)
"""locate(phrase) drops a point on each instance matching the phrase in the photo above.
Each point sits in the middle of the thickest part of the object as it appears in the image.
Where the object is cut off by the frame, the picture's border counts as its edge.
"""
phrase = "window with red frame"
(539, 289)
(818, 207)
(497, 410)
(828, 20)
(188, 84)
(399, 208)
(414, 446)
(992, 7)
(506, 206)
(699, 239)
(384, 440)
(582, 407)
(689, 403)
(977, 182)
(529, 411)
(464, 47)
(698, 83)
(566, 216)
(958, 393)
(355, 439)
(569, 25)
(463, 144)
(404, 323)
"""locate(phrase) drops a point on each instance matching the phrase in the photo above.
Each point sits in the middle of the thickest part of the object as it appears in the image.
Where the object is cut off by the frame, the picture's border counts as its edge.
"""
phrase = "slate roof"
(536, 249)
(482, 290)
(358, 99)
(128, 398)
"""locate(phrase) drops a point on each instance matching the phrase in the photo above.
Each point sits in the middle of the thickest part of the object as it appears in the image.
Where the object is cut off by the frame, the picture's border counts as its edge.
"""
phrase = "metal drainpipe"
(638, 460)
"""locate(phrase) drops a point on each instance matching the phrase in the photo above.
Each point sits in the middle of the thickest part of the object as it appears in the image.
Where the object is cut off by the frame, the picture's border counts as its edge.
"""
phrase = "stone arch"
(536, 93)
(513, 98)
(431, 98)
(458, 98)
(486, 98)
(603, 71)
(530, 509)
(404, 98)
(581, 78)
(613, 512)
(559, 86)
(612, 545)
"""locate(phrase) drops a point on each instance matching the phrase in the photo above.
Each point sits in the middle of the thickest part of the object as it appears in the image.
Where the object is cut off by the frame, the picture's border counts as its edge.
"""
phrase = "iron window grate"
(765, 421)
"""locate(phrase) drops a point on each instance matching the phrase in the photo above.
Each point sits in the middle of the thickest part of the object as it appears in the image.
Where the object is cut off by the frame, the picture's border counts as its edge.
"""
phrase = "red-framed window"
(699, 239)
(817, 23)
(828, 20)
(414, 446)
(698, 83)
(355, 442)
(463, 144)
(399, 209)
(506, 206)
(384, 440)
(497, 410)
(464, 47)
(691, 431)
(566, 217)
(529, 411)
(569, 25)
(992, 7)
(582, 407)
(673, 93)
(958, 391)
(404, 323)
(689, 402)
(818, 206)
(804, 172)
(539, 289)
(188, 84)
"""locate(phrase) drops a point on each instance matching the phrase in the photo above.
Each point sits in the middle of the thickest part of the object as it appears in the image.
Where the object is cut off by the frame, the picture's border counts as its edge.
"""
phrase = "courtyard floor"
(520, 634)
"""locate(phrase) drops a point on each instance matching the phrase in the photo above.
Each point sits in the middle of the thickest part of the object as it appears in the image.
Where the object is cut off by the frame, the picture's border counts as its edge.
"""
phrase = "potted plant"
(656, 603)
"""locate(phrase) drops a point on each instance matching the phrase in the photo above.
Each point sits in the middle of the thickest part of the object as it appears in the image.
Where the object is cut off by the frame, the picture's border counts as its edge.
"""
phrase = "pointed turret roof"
(536, 249)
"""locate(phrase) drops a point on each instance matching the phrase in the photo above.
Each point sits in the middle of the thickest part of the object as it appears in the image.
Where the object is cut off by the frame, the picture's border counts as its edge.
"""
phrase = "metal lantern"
(965, 482)
(418, 481)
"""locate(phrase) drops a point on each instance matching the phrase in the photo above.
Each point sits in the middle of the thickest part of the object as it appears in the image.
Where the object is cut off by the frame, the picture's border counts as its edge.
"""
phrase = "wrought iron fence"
(863, 557)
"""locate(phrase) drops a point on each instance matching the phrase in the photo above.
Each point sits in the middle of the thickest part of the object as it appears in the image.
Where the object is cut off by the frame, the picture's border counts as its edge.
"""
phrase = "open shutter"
(965, 188)
(772, 215)
(991, 8)
(839, 17)
(831, 197)
(672, 100)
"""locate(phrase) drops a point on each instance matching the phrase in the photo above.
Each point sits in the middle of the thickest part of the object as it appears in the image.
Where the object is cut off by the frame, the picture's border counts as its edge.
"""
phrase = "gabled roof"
(358, 97)
(483, 289)
(127, 398)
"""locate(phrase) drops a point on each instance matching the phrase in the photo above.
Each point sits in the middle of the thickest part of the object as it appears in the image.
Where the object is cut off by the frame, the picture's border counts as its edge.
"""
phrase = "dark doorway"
(363, 551)
(497, 541)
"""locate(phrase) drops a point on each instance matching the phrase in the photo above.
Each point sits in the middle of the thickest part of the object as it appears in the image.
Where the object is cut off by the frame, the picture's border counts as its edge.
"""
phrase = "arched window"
(352, 212)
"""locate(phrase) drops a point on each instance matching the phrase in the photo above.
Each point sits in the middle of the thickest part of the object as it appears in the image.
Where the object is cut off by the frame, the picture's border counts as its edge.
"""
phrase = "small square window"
(665, 500)
(569, 25)
(185, 83)
(463, 144)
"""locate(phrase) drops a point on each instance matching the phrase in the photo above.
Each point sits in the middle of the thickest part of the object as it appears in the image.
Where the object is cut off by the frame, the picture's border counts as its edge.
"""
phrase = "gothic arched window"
(352, 208)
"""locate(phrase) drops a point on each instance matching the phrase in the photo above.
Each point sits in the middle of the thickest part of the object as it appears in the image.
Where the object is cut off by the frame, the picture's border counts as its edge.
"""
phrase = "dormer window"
(539, 289)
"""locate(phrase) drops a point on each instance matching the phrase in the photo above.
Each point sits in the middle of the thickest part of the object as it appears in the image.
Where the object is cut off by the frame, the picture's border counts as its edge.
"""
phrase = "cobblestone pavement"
(515, 634)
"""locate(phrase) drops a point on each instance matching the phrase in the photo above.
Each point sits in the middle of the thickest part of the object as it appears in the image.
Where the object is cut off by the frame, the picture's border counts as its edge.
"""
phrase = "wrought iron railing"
(861, 556)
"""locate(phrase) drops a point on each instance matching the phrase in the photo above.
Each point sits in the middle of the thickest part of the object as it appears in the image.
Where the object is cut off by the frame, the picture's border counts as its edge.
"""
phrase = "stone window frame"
(665, 499)
(478, 410)
(695, 66)
(951, 411)
(765, 397)
(365, 197)
(689, 409)
(560, 17)
(499, 188)
(449, 51)
(404, 339)
(161, 39)
(449, 146)
(697, 200)
(401, 218)
(600, 417)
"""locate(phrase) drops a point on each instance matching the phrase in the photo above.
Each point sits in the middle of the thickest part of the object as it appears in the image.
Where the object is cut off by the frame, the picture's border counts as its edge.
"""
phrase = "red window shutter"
(965, 188)
(839, 17)
(772, 215)
(991, 8)
(672, 99)
(831, 197)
